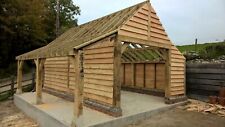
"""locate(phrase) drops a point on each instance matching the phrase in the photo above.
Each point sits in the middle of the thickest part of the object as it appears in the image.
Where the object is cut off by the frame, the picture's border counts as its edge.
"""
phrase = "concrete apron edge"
(20, 100)
(130, 119)
(116, 122)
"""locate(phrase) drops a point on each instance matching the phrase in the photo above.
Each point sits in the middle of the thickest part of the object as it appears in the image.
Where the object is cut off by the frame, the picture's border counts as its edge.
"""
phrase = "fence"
(203, 80)
(8, 85)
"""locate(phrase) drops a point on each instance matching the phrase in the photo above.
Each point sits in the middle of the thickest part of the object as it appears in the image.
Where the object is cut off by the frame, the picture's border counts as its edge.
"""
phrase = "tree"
(29, 24)
(67, 13)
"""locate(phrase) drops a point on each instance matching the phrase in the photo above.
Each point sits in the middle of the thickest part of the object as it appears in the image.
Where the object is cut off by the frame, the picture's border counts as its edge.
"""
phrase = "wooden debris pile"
(206, 108)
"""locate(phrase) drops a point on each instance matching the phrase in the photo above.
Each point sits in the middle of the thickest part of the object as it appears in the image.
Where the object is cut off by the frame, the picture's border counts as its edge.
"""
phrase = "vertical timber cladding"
(177, 86)
(98, 71)
(56, 73)
(146, 75)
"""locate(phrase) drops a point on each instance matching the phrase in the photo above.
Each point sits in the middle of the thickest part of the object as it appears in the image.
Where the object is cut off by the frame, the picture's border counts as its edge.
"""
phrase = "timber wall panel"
(160, 76)
(137, 26)
(98, 71)
(139, 75)
(150, 75)
(146, 75)
(146, 25)
(177, 72)
(56, 73)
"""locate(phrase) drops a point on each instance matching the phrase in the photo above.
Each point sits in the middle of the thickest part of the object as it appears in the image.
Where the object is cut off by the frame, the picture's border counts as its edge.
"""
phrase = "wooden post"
(39, 76)
(78, 90)
(33, 82)
(116, 73)
(167, 72)
(12, 85)
(19, 76)
(133, 68)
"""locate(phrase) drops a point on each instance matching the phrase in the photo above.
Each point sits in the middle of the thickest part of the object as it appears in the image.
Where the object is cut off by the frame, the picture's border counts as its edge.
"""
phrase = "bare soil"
(11, 116)
(182, 118)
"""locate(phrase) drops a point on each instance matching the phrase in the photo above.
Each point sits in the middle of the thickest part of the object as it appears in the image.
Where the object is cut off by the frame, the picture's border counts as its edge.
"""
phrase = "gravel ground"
(11, 116)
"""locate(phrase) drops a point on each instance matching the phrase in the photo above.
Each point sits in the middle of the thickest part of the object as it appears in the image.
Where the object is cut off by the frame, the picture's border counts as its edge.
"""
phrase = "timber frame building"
(128, 50)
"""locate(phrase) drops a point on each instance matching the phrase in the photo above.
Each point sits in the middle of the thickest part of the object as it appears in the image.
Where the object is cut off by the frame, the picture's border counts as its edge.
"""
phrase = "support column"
(78, 90)
(167, 73)
(19, 76)
(39, 77)
(117, 78)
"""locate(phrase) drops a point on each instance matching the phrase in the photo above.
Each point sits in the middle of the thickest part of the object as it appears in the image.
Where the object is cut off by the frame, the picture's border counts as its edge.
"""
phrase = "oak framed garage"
(128, 49)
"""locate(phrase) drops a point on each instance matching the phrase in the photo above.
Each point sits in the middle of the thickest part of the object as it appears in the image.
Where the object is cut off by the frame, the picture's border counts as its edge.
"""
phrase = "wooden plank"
(98, 92)
(79, 83)
(56, 73)
(134, 29)
(177, 64)
(179, 80)
(19, 76)
(139, 77)
(206, 81)
(139, 20)
(177, 93)
(101, 44)
(98, 61)
(158, 31)
(117, 74)
(163, 37)
(138, 25)
(99, 87)
(178, 60)
(56, 69)
(141, 16)
(157, 26)
(99, 76)
(98, 50)
(132, 34)
(99, 98)
(98, 82)
(57, 58)
(206, 76)
(160, 76)
(53, 83)
(174, 84)
(150, 75)
(57, 80)
(133, 74)
(206, 71)
(98, 71)
(55, 66)
(98, 56)
(56, 87)
(176, 76)
(56, 62)
(128, 79)
(177, 73)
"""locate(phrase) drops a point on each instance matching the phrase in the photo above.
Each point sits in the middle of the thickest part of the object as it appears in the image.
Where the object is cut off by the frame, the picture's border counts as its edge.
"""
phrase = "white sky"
(184, 20)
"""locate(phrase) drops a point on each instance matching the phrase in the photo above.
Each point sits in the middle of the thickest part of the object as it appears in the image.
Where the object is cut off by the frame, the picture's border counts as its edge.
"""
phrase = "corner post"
(19, 76)
(77, 61)
(117, 77)
(39, 77)
(168, 74)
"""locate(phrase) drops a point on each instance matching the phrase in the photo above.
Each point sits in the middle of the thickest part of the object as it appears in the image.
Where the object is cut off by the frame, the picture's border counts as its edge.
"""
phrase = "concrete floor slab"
(58, 112)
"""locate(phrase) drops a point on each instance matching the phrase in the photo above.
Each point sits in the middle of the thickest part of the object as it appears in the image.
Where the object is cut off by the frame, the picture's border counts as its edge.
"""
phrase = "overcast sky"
(184, 20)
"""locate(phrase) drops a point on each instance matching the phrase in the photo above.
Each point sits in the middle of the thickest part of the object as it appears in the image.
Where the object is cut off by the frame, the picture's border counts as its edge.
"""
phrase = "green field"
(206, 50)
(200, 47)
